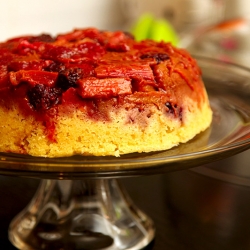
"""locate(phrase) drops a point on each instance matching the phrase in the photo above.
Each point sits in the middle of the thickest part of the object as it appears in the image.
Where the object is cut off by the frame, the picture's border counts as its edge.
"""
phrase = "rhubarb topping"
(86, 67)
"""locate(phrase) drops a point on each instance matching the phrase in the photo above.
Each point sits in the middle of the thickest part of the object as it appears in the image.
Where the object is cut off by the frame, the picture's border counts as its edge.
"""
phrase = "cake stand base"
(81, 214)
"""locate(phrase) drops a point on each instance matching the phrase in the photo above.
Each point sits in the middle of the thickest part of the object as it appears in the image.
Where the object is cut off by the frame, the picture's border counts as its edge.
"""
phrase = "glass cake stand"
(80, 203)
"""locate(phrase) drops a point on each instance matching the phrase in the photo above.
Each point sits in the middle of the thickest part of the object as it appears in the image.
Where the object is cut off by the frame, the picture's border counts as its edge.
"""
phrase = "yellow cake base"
(128, 131)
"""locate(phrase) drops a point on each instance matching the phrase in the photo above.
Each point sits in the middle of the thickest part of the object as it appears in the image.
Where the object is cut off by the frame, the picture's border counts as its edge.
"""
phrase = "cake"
(92, 92)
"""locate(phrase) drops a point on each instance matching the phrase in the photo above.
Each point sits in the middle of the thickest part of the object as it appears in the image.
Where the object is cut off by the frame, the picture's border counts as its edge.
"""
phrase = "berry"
(42, 38)
(42, 97)
(68, 78)
(159, 57)
(55, 67)
(171, 107)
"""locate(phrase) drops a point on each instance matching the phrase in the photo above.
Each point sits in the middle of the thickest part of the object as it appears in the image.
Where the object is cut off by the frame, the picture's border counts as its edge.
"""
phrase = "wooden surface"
(190, 210)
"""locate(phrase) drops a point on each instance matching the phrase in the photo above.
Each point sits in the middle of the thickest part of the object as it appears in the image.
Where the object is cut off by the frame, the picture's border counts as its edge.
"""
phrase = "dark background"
(208, 210)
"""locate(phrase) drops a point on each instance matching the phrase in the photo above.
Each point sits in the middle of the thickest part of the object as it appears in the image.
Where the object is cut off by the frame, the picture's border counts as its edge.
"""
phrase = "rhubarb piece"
(33, 77)
(125, 70)
(103, 88)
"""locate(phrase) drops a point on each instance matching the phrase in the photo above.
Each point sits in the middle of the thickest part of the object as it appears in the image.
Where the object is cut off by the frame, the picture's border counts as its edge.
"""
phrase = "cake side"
(126, 132)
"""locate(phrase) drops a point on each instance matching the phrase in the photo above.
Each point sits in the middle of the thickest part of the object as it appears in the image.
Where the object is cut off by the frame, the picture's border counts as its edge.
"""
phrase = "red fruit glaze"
(93, 71)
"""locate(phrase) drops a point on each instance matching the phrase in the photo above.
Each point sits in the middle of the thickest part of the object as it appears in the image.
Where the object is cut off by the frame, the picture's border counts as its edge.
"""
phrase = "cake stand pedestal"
(81, 214)
(80, 203)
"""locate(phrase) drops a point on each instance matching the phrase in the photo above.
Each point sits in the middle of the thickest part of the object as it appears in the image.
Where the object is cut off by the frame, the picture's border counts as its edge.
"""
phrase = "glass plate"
(228, 88)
